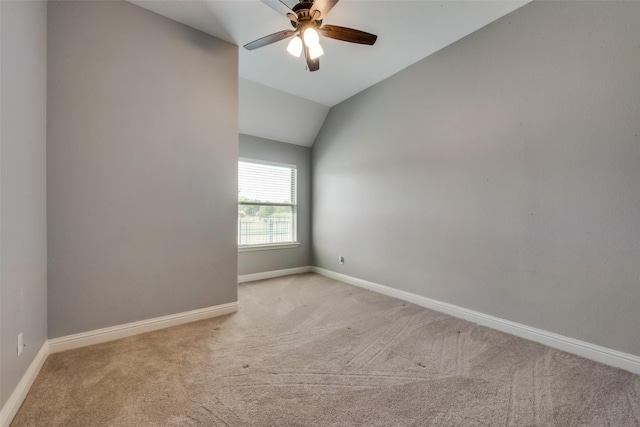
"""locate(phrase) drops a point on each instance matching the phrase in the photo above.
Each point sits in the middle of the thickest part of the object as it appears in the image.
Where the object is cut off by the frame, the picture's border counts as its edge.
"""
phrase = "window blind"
(266, 203)
(263, 183)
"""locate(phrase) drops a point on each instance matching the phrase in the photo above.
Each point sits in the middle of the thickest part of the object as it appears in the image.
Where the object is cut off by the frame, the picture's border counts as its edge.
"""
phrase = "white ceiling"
(408, 30)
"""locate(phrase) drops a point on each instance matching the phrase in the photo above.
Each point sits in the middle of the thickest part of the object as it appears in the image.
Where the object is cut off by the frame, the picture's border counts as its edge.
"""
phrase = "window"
(266, 204)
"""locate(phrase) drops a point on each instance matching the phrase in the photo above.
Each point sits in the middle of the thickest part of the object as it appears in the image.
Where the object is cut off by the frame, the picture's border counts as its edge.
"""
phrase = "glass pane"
(259, 225)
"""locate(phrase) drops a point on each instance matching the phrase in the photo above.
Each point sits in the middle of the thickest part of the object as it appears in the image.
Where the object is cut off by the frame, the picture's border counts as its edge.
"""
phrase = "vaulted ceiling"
(279, 99)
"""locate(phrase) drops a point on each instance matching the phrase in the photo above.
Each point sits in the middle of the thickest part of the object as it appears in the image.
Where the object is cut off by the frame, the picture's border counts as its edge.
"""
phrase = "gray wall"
(141, 166)
(277, 259)
(500, 174)
(23, 275)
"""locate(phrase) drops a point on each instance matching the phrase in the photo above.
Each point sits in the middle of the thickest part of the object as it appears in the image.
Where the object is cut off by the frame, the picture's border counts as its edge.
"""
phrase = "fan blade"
(323, 6)
(348, 34)
(313, 64)
(271, 38)
(279, 7)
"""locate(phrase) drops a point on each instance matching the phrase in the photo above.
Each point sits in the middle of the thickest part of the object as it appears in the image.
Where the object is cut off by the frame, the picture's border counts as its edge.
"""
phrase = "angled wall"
(23, 249)
(500, 174)
(264, 112)
(141, 166)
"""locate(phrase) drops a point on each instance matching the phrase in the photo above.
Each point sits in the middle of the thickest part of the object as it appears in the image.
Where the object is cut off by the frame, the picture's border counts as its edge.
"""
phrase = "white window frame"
(281, 245)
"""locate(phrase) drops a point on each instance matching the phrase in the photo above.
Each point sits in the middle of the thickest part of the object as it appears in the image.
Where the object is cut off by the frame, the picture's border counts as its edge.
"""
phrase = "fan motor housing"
(302, 10)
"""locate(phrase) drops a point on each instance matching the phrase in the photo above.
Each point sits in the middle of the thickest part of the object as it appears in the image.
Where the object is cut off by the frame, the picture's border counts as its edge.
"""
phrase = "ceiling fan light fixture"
(311, 37)
(295, 46)
(316, 51)
(306, 19)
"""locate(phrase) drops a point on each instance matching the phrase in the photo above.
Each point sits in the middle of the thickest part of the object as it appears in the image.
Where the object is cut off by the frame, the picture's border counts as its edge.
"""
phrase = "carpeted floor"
(309, 351)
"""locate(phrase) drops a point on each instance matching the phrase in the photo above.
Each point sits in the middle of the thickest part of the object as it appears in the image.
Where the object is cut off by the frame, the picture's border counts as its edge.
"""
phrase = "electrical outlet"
(20, 344)
(341, 259)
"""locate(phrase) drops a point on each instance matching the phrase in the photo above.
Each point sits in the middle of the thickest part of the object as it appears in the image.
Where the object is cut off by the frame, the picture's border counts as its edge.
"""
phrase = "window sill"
(268, 247)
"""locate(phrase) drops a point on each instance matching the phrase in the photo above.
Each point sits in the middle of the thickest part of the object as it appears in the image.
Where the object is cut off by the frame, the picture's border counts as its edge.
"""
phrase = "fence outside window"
(262, 231)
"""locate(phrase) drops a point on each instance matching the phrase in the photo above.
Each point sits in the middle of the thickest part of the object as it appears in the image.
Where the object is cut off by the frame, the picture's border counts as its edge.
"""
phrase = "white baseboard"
(55, 345)
(584, 349)
(10, 409)
(97, 336)
(271, 274)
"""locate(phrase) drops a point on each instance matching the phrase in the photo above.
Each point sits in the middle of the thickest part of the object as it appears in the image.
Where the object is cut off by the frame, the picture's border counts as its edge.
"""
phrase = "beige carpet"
(309, 351)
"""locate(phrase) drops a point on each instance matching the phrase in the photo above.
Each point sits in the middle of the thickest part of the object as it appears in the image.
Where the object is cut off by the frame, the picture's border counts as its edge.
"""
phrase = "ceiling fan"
(306, 19)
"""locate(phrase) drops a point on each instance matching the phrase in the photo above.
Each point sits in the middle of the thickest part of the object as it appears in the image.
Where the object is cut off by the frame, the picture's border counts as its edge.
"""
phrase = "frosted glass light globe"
(295, 46)
(311, 37)
(316, 51)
